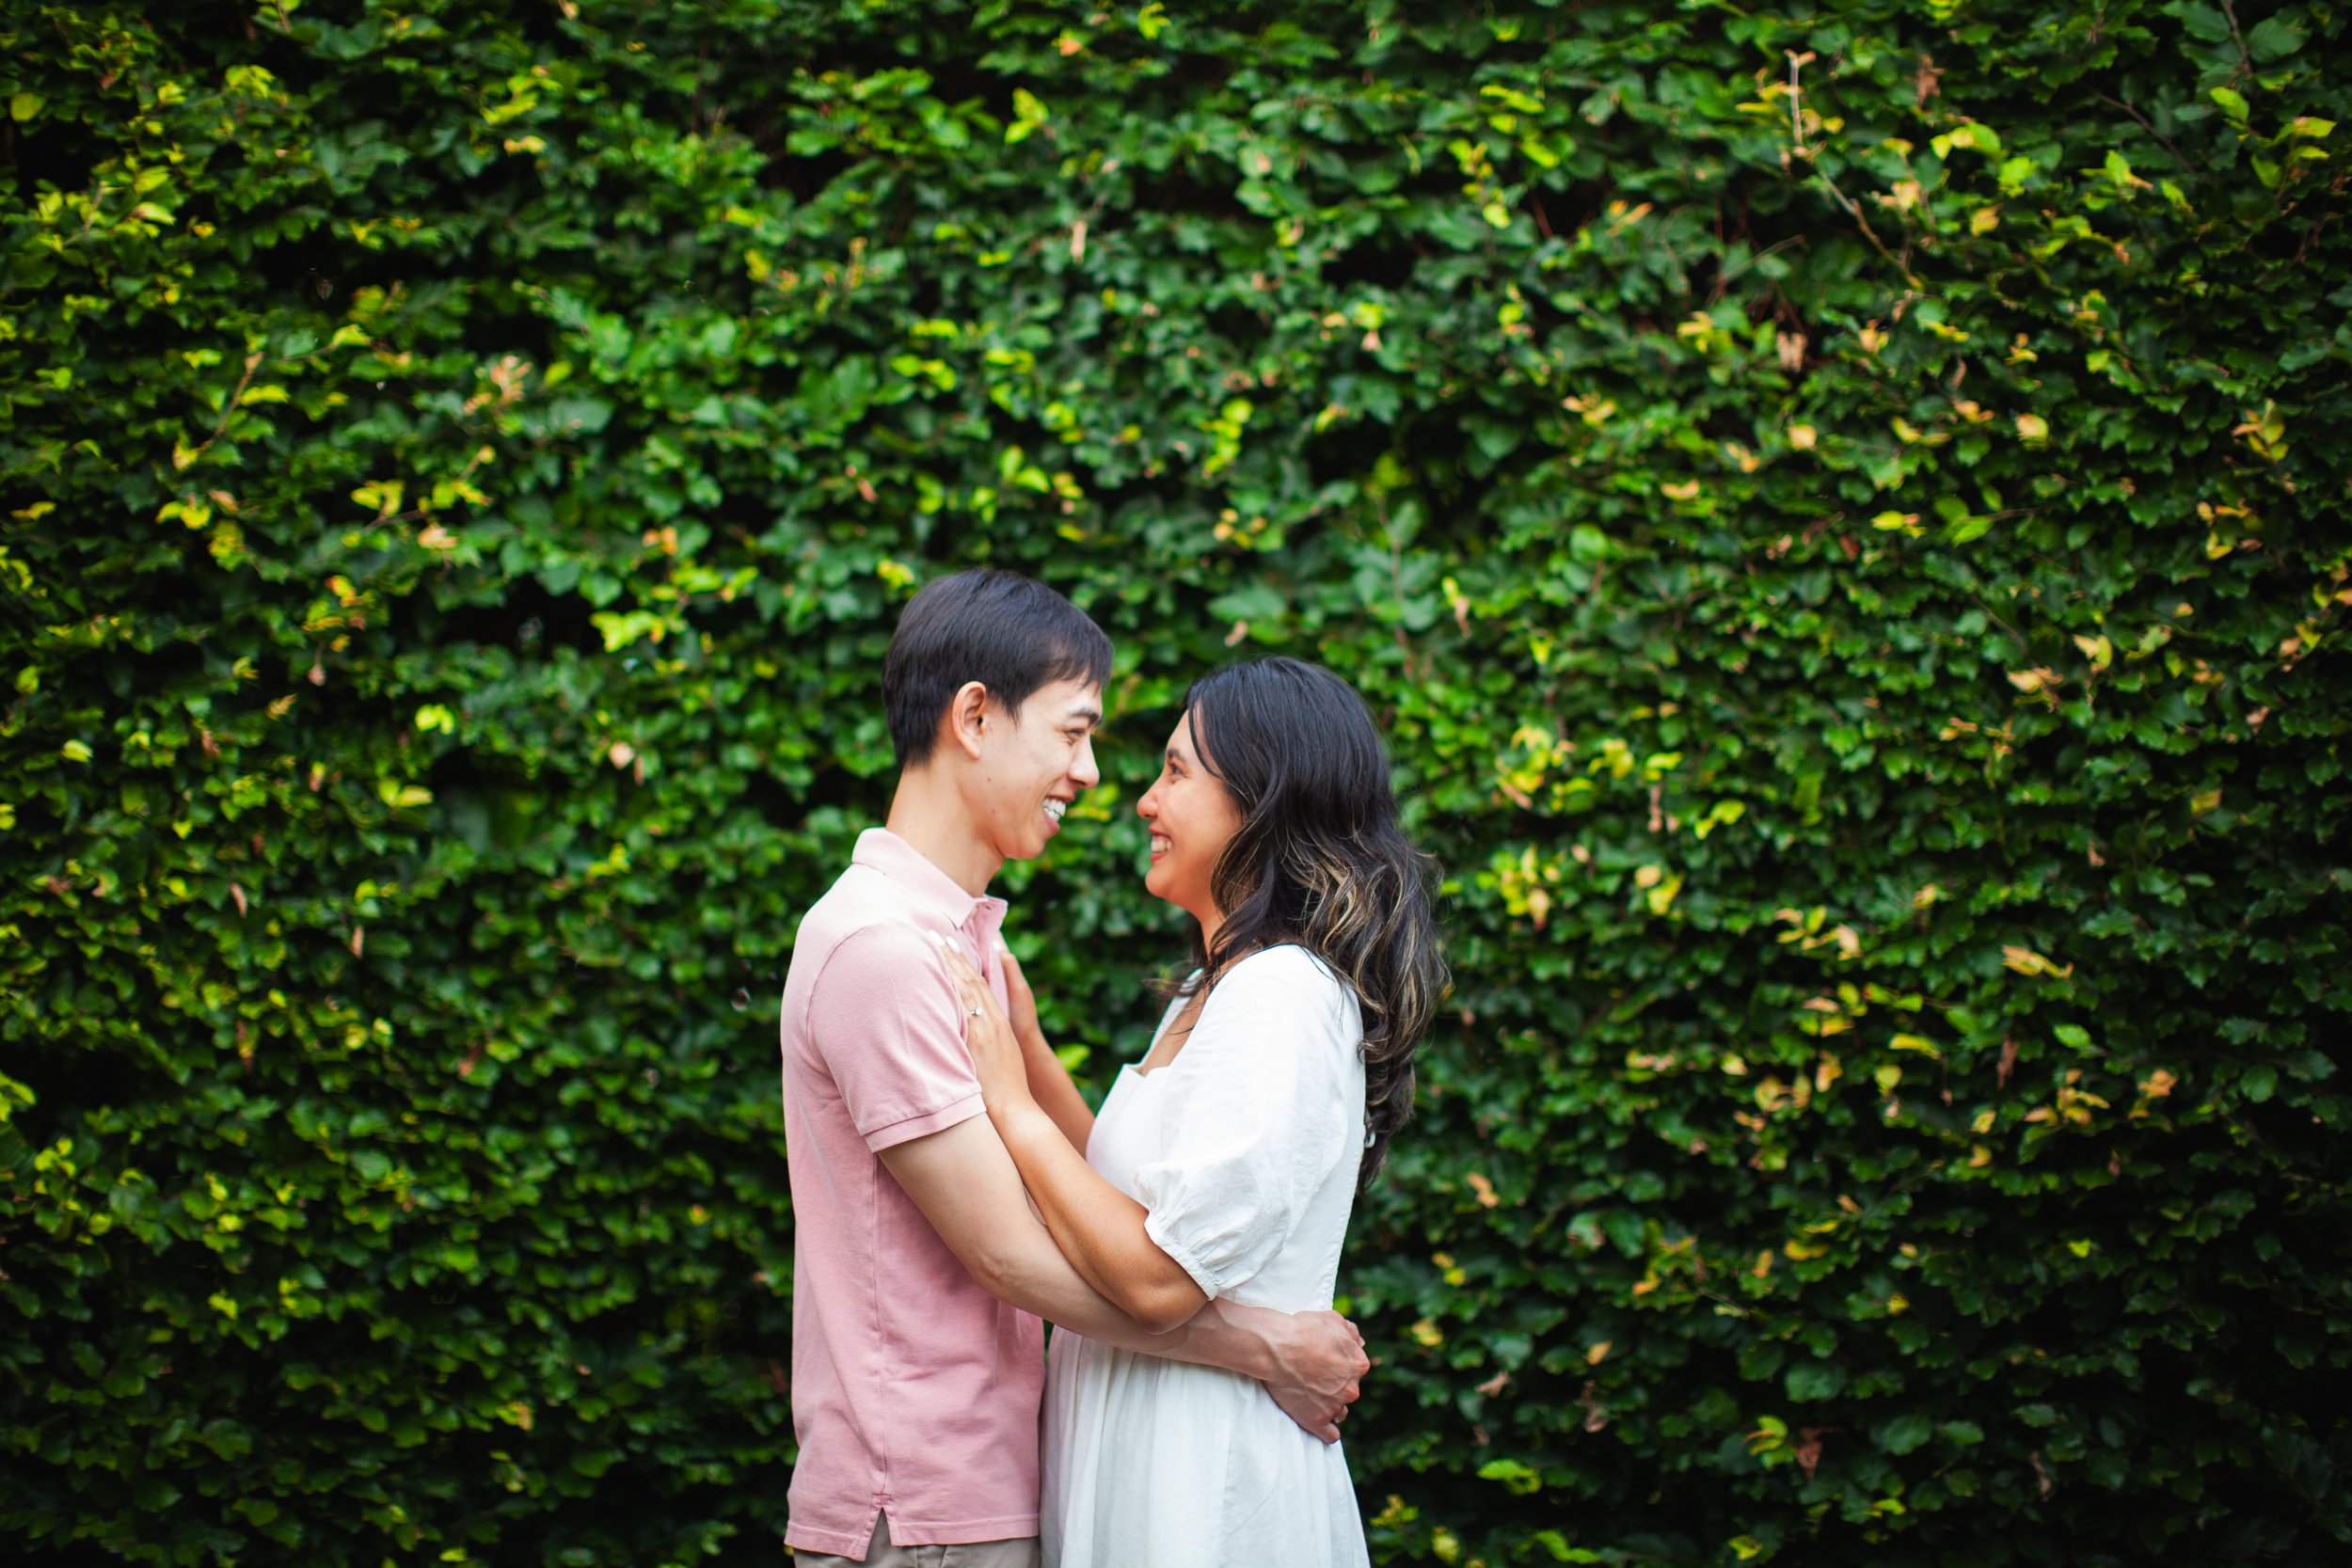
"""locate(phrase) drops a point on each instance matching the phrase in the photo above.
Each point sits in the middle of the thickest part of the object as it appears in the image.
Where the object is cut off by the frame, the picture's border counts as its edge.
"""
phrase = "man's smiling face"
(1033, 765)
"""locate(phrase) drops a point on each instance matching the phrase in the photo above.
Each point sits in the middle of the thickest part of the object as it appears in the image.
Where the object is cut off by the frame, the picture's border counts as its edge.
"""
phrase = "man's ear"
(966, 718)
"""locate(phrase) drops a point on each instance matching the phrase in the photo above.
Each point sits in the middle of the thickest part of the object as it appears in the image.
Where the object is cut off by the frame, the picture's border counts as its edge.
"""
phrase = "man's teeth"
(1055, 808)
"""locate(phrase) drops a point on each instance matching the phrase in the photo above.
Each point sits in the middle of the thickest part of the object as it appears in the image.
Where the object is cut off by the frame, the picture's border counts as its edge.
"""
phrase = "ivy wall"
(1842, 510)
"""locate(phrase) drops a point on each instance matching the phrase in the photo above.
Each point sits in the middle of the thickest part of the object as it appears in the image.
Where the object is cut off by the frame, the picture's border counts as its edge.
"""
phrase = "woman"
(1226, 1161)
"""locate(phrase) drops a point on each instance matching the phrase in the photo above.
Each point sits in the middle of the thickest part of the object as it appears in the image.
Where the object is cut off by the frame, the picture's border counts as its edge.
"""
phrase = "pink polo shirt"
(914, 1392)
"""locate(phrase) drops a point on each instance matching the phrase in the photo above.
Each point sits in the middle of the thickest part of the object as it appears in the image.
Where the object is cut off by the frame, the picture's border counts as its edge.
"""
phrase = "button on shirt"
(914, 1392)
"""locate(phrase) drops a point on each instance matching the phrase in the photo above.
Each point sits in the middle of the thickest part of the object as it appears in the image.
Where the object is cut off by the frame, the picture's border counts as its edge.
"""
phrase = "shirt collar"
(883, 850)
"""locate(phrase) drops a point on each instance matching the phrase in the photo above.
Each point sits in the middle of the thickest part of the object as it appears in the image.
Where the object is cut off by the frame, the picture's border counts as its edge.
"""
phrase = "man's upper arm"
(967, 1186)
(884, 1015)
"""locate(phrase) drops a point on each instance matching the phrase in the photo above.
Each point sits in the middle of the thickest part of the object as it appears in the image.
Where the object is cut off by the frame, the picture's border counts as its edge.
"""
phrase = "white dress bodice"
(1243, 1152)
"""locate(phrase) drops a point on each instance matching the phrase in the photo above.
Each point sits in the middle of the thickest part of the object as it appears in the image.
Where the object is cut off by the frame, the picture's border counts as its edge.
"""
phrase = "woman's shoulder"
(1289, 970)
(1284, 959)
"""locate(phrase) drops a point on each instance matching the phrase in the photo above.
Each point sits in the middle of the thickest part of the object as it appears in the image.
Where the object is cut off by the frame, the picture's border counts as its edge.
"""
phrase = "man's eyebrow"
(1091, 715)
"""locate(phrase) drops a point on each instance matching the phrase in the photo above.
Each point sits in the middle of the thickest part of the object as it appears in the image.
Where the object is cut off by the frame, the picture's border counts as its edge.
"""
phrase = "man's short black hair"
(1008, 632)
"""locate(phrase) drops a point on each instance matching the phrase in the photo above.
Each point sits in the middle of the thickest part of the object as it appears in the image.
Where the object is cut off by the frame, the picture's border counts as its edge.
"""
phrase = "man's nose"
(1083, 768)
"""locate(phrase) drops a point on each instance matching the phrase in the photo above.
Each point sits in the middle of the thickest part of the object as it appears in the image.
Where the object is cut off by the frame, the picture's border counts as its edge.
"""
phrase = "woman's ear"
(967, 717)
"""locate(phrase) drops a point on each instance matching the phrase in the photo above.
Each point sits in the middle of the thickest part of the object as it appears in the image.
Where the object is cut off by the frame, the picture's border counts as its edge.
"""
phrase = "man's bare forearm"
(967, 1186)
(1225, 1335)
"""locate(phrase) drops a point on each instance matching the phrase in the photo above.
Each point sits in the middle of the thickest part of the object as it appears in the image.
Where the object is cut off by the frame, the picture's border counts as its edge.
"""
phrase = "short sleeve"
(884, 1019)
(1268, 1106)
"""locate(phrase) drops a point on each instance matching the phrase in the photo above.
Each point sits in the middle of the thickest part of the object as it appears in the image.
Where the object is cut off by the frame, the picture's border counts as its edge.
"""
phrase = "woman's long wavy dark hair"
(1320, 861)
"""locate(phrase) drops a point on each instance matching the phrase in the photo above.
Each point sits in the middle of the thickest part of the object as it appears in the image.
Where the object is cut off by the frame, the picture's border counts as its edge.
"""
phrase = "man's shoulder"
(858, 897)
(860, 922)
(883, 942)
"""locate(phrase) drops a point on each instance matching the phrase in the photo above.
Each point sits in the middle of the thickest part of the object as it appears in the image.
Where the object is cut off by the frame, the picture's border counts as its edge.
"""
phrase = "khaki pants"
(880, 1553)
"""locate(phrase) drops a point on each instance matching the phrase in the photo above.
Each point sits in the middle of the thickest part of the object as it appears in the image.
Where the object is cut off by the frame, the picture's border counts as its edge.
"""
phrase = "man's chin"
(1030, 846)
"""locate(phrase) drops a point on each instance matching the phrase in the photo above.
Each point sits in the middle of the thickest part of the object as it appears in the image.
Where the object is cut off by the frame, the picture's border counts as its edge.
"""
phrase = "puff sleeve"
(1271, 1104)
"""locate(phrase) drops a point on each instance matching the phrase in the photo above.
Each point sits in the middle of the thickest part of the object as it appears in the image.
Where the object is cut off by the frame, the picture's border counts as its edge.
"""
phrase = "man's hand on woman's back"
(1319, 1368)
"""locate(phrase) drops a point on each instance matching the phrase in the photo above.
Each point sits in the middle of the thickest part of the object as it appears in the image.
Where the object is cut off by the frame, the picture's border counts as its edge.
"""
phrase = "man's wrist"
(1243, 1338)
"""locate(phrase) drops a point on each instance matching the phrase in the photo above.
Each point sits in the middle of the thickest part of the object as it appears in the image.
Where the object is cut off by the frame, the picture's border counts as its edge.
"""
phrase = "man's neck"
(927, 813)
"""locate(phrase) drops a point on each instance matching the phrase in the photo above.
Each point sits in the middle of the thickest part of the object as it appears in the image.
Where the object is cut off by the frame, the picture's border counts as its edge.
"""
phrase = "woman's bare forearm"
(1097, 1226)
(1055, 1095)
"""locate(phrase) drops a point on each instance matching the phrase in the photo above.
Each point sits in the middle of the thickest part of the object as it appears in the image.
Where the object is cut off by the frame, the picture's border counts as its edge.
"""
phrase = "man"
(920, 1270)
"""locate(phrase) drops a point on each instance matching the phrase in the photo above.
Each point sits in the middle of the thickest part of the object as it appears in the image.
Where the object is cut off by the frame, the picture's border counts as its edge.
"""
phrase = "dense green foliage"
(1842, 513)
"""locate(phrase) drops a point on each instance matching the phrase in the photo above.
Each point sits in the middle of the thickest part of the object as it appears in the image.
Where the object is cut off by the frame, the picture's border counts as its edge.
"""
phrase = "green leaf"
(2204, 22)
(1973, 135)
(1518, 1478)
(2272, 40)
(1810, 1381)
(1905, 1432)
(1028, 112)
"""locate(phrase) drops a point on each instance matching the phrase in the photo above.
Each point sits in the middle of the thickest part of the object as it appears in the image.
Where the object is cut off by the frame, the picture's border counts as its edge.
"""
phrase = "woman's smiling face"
(1192, 818)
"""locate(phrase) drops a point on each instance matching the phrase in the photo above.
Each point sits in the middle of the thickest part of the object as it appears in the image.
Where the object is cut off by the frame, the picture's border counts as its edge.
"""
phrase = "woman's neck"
(1212, 922)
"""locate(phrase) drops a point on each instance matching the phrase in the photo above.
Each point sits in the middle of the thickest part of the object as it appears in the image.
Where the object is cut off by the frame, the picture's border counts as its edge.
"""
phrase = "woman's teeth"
(1160, 844)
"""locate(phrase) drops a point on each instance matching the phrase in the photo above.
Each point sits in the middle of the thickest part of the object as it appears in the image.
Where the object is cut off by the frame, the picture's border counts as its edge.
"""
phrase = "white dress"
(1245, 1151)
